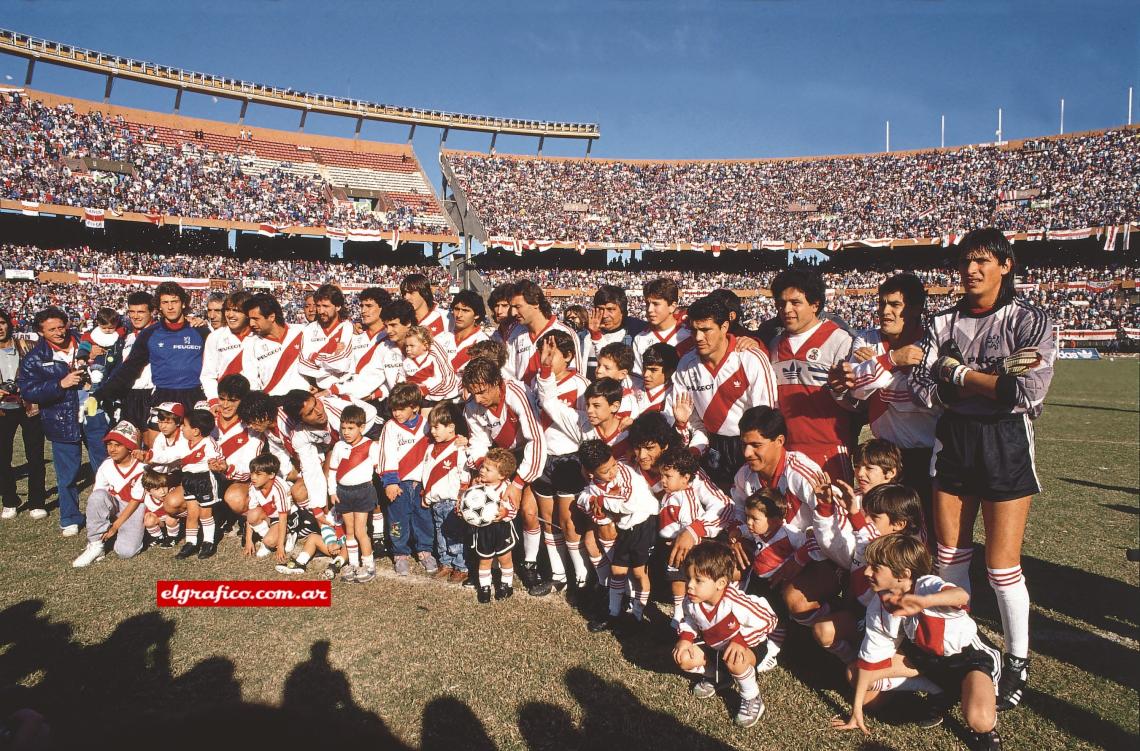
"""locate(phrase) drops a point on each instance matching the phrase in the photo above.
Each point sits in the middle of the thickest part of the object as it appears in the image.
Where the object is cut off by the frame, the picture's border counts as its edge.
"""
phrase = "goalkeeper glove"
(1020, 362)
(950, 370)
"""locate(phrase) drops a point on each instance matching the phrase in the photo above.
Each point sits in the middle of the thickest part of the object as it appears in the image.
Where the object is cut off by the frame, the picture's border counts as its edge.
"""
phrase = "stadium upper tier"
(115, 66)
(1070, 182)
(60, 151)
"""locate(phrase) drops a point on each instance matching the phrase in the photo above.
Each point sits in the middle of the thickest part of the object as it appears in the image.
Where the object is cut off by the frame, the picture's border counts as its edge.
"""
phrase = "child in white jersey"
(445, 477)
(495, 541)
(920, 625)
(353, 462)
(269, 506)
(733, 625)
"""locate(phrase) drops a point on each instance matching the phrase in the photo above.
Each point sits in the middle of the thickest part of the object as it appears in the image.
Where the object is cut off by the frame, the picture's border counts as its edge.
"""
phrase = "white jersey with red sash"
(238, 445)
(817, 425)
(513, 425)
(274, 501)
(326, 354)
(722, 393)
(353, 464)
(523, 356)
(378, 365)
(166, 454)
(432, 374)
(458, 348)
(402, 450)
(270, 364)
(200, 456)
(737, 617)
(679, 338)
(625, 501)
(221, 356)
(436, 321)
(444, 471)
(795, 477)
(123, 483)
(567, 390)
(893, 411)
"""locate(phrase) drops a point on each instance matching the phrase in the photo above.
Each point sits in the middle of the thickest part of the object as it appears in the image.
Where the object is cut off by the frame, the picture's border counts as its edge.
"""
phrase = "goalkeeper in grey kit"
(988, 361)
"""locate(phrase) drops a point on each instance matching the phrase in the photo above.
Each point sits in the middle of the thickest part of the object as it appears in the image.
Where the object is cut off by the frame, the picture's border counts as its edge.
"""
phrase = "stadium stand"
(1034, 186)
(59, 151)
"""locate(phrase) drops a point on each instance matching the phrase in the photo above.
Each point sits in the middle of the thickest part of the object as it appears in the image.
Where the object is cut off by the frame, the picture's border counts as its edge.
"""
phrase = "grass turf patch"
(417, 664)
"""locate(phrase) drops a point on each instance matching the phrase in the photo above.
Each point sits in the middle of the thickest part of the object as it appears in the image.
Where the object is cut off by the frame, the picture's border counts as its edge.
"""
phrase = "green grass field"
(416, 664)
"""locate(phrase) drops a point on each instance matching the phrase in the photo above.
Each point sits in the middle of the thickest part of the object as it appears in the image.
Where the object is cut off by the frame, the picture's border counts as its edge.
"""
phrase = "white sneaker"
(9, 512)
(38, 513)
(93, 552)
(262, 551)
(71, 530)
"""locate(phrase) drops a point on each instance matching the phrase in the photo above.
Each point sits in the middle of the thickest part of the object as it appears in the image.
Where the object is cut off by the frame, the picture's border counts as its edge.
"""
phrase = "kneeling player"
(269, 504)
(732, 624)
(928, 619)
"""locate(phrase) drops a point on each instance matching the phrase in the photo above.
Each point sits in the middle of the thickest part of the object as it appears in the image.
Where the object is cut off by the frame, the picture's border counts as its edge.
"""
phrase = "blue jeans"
(409, 523)
(68, 459)
(448, 535)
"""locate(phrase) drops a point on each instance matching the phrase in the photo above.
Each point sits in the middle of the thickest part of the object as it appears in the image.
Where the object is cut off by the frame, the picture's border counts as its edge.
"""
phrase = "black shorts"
(356, 499)
(562, 475)
(302, 523)
(659, 561)
(722, 459)
(493, 539)
(948, 671)
(136, 408)
(200, 487)
(987, 458)
(634, 546)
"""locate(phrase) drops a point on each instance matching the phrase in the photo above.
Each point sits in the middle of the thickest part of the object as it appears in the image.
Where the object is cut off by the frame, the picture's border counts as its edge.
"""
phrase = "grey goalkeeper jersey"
(985, 340)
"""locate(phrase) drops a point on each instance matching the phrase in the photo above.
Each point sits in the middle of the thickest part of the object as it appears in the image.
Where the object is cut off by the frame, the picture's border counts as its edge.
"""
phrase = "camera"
(10, 386)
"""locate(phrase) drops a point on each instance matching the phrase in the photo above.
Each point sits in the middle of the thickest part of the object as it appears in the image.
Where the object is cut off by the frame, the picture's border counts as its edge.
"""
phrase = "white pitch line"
(1085, 440)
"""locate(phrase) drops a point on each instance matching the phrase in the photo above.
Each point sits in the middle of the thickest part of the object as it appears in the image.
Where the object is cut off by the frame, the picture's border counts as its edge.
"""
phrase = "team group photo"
(320, 430)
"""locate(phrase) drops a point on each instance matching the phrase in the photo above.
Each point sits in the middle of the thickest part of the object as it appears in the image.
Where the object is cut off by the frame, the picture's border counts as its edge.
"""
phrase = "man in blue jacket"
(51, 377)
(173, 349)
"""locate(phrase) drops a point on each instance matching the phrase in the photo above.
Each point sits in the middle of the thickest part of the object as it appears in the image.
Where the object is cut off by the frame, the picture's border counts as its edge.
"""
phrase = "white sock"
(776, 640)
(484, 577)
(208, 529)
(617, 594)
(154, 532)
(172, 529)
(353, 554)
(507, 576)
(574, 550)
(192, 536)
(678, 608)
(555, 544)
(368, 562)
(954, 565)
(377, 523)
(532, 541)
(1013, 604)
(303, 557)
(747, 685)
(261, 528)
(602, 568)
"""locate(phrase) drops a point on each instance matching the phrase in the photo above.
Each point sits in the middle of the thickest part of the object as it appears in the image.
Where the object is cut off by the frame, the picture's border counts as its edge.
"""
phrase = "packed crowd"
(190, 181)
(1082, 181)
(685, 452)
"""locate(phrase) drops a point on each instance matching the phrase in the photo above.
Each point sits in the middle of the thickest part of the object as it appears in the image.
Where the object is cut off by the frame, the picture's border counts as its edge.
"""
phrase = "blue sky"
(735, 78)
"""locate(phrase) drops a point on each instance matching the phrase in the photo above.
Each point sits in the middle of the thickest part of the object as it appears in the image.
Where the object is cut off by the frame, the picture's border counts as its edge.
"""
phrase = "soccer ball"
(477, 508)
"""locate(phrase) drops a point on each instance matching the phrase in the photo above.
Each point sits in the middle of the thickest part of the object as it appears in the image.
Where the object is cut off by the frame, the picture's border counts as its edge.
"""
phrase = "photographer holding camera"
(52, 376)
(15, 414)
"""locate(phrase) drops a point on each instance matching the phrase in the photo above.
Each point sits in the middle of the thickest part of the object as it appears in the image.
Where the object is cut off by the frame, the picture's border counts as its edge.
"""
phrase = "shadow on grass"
(612, 718)
(122, 690)
(1090, 406)
(1100, 486)
(1121, 508)
(1108, 605)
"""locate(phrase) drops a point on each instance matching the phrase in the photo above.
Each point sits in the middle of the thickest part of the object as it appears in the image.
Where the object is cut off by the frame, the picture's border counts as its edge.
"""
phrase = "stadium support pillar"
(494, 137)
(359, 125)
(107, 88)
(443, 136)
(31, 71)
(177, 101)
(436, 248)
(304, 115)
(541, 141)
(589, 145)
(411, 132)
(466, 260)
(244, 108)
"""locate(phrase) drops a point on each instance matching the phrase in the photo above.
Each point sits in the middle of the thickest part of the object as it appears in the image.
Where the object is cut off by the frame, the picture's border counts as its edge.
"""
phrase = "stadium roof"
(115, 66)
